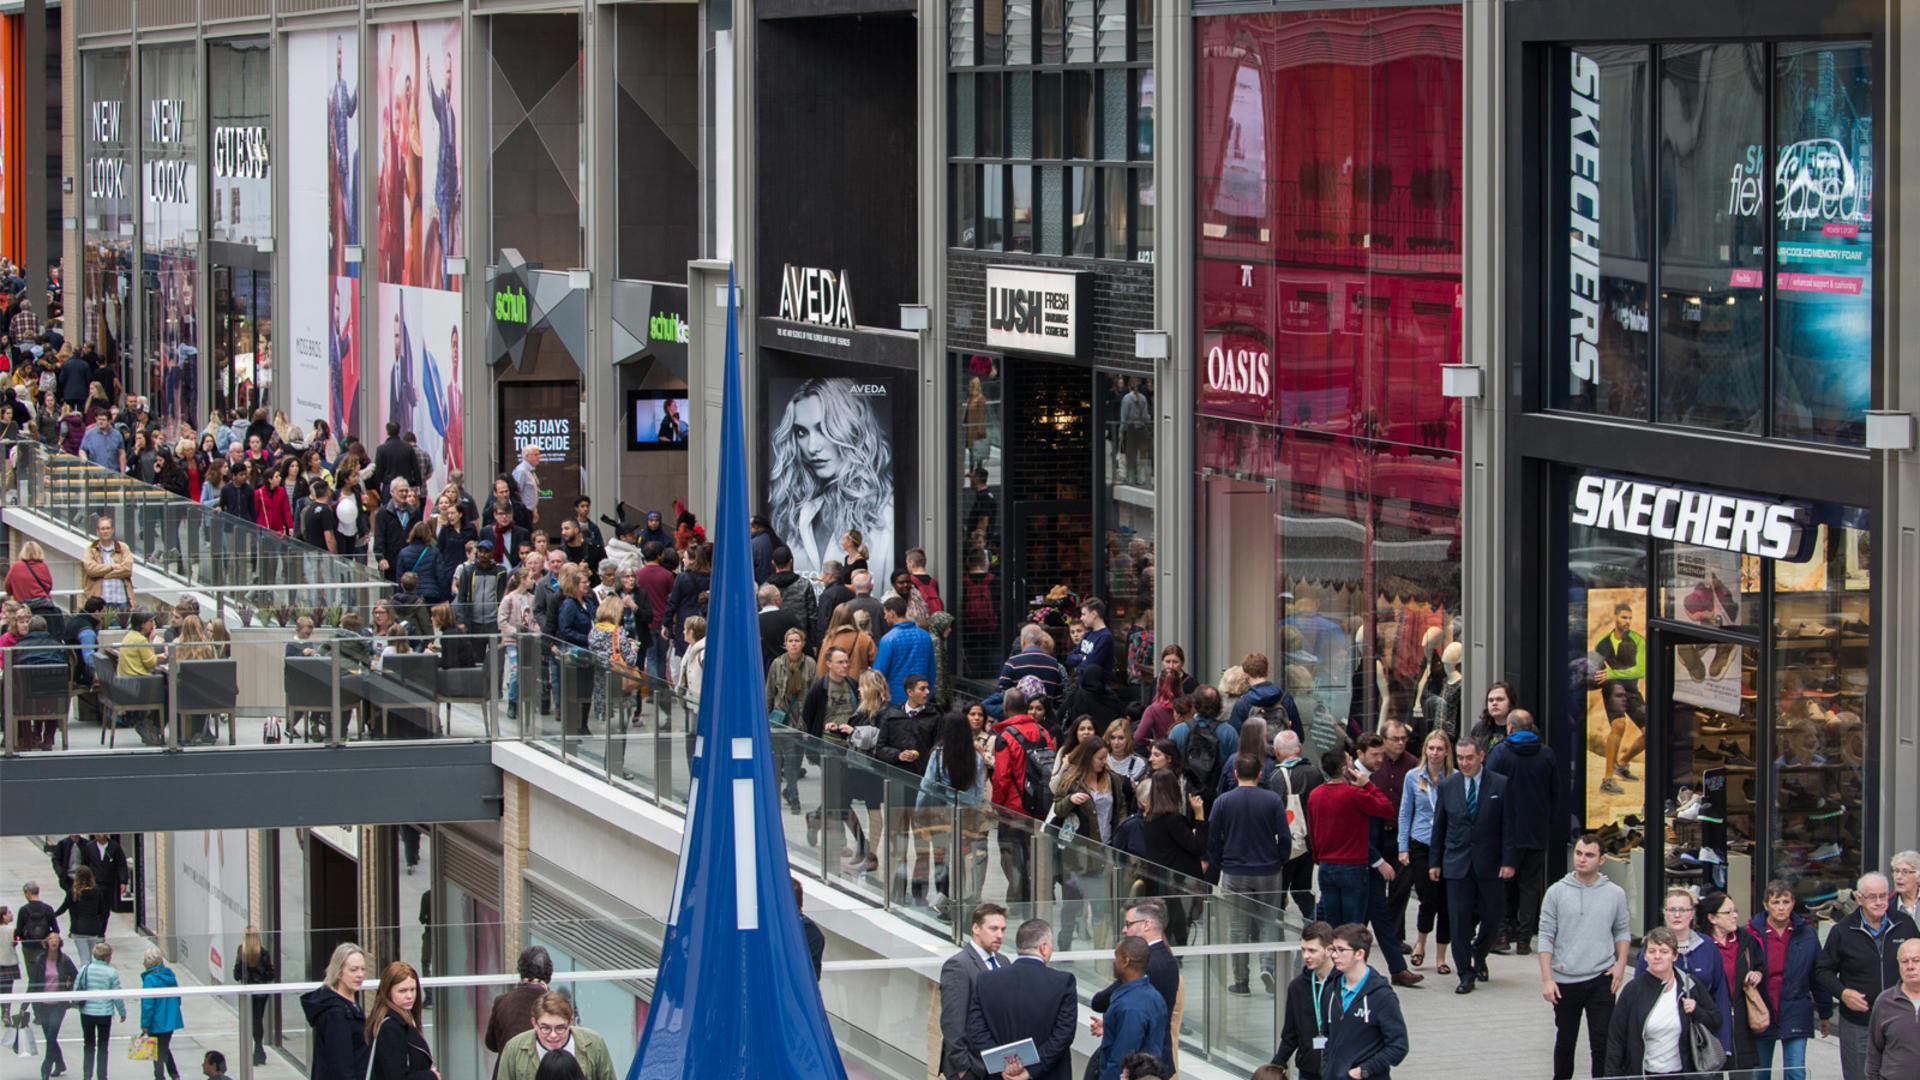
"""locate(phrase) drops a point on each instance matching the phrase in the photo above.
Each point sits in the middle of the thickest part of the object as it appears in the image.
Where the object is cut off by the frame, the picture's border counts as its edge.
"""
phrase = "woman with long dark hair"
(954, 768)
(1175, 836)
(397, 1046)
(91, 908)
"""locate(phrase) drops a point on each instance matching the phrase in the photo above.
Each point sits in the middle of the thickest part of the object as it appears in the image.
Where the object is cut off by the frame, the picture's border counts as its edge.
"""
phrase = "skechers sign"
(1583, 221)
(1710, 519)
(1036, 311)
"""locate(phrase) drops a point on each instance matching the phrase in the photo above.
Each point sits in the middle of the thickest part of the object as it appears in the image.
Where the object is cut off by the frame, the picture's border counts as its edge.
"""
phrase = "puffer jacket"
(1794, 1000)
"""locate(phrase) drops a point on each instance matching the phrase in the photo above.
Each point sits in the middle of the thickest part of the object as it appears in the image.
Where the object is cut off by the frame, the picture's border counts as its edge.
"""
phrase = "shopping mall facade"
(1341, 332)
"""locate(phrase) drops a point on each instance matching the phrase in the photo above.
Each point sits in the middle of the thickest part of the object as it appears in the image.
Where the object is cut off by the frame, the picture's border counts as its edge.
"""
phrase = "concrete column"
(31, 172)
(706, 352)
(162, 884)
(379, 895)
(1175, 557)
(601, 403)
(515, 835)
(938, 476)
(70, 164)
(1484, 474)
(1898, 539)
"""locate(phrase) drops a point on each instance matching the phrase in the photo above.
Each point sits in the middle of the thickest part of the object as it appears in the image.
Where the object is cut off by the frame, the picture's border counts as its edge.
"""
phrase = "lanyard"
(1319, 1000)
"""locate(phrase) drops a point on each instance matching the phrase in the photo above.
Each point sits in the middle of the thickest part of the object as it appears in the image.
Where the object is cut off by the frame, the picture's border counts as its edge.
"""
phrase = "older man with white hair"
(1295, 778)
(1861, 960)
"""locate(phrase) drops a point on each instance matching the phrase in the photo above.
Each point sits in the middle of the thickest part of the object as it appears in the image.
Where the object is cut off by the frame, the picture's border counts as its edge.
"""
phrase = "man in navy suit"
(1475, 836)
(1026, 1000)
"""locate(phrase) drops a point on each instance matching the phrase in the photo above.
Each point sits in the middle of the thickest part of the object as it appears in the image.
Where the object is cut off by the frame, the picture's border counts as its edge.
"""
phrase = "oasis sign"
(1037, 311)
(1710, 519)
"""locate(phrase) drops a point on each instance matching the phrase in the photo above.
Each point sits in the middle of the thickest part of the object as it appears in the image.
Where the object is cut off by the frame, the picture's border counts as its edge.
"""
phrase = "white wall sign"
(1036, 311)
(811, 295)
(1771, 530)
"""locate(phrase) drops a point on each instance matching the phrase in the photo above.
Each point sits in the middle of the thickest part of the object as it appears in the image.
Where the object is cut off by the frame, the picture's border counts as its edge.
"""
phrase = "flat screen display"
(658, 419)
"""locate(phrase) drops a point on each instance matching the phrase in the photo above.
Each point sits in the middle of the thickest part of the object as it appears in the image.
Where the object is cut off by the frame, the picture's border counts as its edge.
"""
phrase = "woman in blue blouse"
(1417, 800)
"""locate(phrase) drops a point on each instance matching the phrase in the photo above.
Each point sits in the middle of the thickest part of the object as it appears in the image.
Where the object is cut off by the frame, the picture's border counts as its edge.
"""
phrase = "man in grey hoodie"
(1583, 955)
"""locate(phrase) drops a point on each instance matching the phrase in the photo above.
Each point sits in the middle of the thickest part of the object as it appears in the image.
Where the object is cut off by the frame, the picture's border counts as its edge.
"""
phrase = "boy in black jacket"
(1302, 1036)
(1366, 1034)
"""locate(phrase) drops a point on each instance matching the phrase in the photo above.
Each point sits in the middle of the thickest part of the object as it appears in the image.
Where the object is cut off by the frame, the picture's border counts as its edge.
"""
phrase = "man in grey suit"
(958, 1059)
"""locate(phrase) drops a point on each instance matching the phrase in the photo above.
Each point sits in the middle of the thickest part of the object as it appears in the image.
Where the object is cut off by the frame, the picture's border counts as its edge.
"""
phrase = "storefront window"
(1327, 288)
(239, 86)
(1606, 359)
(1128, 445)
(111, 184)
(1668, 695)
(978, 511)
(1762, 251)
(1713, 251)
(1823, 265)
(1078, 96)
(169, 147)
(1823, 657)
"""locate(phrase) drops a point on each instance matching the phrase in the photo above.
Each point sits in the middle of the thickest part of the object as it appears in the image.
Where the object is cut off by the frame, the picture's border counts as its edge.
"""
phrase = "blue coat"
(1702, 961)
(1799, 998)
(159, 1015)
(423, 561)
(1136, 1019)
(905, 650)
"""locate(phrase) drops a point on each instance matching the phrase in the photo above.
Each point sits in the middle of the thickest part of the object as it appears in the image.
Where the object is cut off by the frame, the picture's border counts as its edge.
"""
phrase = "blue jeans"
(1793, 1057)
(1343, 893)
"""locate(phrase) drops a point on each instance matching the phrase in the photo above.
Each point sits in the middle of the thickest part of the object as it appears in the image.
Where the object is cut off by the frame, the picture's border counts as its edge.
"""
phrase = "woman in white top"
(1121, 757)
(346, 509)
(1648, 1034)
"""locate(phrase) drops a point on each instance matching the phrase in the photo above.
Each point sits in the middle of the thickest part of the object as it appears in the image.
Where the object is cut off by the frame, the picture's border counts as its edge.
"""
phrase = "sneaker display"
(1828, 850)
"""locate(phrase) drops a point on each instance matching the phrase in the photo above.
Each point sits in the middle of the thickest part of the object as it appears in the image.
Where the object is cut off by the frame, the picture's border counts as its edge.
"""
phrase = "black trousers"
(1399, 891)
(1524, 890)
(1471, 902)
(1592, 999)
(1296, 878)
(1386, 942)
(1433, 894)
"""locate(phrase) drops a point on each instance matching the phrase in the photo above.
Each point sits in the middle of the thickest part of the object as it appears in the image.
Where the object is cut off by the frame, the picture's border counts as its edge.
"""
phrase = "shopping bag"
(141, 1048)
(24, 1043)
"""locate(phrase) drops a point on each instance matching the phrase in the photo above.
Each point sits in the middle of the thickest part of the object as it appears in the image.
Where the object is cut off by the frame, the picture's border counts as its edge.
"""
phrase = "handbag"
(630, 678)
(1759, 1017)
(1702, 1040)
(141, 1048)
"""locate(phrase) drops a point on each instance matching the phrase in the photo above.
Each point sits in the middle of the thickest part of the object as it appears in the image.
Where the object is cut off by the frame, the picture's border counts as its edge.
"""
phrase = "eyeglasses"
(553, 1029)
(1871, 897)
(1338, 950)
(1679, 911)
(1131, 923)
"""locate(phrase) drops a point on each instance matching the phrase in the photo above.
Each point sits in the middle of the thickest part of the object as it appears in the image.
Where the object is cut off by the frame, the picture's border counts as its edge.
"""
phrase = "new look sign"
(1037, 311)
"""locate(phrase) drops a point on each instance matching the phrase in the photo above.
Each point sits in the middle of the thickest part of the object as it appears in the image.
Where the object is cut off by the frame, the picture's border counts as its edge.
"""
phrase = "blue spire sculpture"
(735, 998)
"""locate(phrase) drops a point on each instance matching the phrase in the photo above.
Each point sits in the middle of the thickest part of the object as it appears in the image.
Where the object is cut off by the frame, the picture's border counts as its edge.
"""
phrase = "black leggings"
(1433, 894)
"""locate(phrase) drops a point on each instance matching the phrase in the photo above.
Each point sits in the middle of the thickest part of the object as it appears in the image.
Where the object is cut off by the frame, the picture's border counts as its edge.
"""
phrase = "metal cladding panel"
(270, 787)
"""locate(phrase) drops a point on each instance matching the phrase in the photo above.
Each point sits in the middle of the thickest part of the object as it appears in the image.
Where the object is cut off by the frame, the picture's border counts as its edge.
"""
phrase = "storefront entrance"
(242, 339)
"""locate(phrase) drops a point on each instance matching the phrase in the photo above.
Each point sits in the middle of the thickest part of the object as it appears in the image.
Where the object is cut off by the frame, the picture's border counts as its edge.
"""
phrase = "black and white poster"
(831, 463)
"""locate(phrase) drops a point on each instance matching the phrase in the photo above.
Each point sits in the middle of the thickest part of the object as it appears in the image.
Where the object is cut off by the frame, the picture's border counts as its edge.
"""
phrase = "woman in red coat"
(272, 509)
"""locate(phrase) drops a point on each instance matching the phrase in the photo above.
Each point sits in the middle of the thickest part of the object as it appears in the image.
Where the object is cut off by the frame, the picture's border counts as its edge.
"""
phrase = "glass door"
(1704, 754)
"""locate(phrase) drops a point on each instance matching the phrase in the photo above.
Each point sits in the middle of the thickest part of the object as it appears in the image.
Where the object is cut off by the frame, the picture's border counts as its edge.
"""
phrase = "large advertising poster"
(1616, 719)
(210, 900)
(831, 471)
(418, 193)
(323, 188)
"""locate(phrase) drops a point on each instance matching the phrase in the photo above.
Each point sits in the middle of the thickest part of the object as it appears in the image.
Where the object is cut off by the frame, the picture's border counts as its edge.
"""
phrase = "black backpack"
(1203, 754)
(1036, 794)
(798, 601)
(35, 923)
